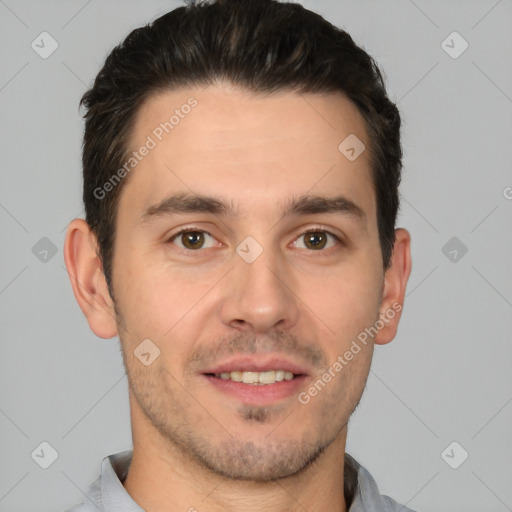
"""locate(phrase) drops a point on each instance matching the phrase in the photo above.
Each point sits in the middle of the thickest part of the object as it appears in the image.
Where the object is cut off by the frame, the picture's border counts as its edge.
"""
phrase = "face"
(266, 287)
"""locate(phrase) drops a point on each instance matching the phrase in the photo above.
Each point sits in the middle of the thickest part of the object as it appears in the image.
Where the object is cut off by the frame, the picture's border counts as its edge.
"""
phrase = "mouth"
(258, 382)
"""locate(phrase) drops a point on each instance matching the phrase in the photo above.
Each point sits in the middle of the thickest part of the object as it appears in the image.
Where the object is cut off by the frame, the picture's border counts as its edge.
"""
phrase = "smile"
(262, 378)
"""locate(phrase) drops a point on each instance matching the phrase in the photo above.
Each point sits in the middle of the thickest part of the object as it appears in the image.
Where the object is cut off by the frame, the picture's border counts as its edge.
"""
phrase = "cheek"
(346, 299)
(158, 302)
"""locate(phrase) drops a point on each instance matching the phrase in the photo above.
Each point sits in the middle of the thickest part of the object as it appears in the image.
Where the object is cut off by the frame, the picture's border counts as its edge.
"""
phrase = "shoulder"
(92, 500)
(392, 506)
(366, 496)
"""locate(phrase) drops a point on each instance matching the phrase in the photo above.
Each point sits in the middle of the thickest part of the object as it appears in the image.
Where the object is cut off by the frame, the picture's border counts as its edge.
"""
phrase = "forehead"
(248, 148)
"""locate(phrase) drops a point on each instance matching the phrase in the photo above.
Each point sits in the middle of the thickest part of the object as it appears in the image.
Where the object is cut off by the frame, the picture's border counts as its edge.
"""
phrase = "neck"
(162, 478)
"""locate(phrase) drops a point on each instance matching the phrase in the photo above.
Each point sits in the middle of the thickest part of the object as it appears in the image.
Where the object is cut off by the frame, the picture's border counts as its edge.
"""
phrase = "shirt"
(107, 493)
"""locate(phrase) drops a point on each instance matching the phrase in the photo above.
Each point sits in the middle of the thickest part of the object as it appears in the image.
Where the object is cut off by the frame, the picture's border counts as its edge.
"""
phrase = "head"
(251, 104)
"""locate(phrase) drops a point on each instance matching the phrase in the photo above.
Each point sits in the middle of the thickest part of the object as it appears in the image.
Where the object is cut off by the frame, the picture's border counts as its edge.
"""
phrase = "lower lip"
(264, 394)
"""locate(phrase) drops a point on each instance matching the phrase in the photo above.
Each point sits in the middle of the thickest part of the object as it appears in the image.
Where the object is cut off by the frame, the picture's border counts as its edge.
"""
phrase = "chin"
(261, 460)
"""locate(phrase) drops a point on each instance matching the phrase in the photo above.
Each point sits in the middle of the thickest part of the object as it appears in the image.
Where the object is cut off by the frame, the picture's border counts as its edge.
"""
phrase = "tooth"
(250, 377)
(262, 378)
(279, 375)
(267, 377)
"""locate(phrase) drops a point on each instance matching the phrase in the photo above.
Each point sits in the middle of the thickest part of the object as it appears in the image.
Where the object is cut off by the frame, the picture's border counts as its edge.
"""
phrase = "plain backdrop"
(445, 379)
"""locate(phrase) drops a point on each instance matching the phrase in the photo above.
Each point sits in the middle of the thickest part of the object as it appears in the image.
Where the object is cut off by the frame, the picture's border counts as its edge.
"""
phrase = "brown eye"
(190, 239)
(317, 239)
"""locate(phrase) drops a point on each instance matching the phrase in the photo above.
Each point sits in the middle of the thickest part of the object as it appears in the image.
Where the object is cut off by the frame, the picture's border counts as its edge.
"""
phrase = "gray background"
(446, 377)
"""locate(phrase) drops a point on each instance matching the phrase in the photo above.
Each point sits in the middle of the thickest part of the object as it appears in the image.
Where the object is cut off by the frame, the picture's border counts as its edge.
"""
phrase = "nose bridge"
(259, 266)
(260, 297)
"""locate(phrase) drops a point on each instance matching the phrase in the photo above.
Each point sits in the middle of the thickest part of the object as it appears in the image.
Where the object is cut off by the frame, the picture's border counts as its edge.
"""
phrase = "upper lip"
(259, 364)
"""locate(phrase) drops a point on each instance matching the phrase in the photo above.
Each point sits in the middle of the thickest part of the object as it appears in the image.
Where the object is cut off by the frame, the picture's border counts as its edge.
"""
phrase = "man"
(241, 167)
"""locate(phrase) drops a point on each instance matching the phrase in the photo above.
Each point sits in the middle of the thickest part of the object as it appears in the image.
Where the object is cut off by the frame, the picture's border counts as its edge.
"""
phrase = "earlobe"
(85, 272)
(395, 283)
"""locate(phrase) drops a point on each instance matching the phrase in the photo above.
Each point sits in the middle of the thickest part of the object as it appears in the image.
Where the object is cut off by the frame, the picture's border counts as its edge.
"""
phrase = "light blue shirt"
(107, 493)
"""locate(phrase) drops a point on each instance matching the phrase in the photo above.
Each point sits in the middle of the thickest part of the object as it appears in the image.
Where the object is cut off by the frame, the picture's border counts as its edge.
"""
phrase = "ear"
(395, 282)
(85, 272)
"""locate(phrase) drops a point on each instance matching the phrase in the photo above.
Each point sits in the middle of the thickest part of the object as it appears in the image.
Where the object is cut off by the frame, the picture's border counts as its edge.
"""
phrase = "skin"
(194, 446)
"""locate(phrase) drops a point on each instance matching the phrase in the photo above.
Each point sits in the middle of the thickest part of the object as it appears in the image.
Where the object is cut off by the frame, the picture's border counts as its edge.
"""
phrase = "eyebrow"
(183, 203)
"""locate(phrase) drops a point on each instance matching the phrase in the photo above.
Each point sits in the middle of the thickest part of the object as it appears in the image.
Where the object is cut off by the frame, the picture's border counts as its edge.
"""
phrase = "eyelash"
(191, 229)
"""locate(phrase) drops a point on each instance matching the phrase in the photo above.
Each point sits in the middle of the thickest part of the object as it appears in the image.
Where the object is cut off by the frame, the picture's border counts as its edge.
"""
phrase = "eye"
(316, 239)
(191, 239)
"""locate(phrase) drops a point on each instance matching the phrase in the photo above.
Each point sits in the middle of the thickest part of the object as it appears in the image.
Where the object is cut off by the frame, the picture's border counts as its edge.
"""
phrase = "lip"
(254, 394)
(259, 364)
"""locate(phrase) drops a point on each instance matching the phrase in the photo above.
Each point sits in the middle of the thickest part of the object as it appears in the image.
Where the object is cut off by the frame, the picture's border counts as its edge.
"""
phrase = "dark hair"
(262, 45)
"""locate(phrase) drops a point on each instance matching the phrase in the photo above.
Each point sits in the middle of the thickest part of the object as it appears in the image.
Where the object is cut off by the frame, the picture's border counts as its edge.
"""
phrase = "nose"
(259, 296)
